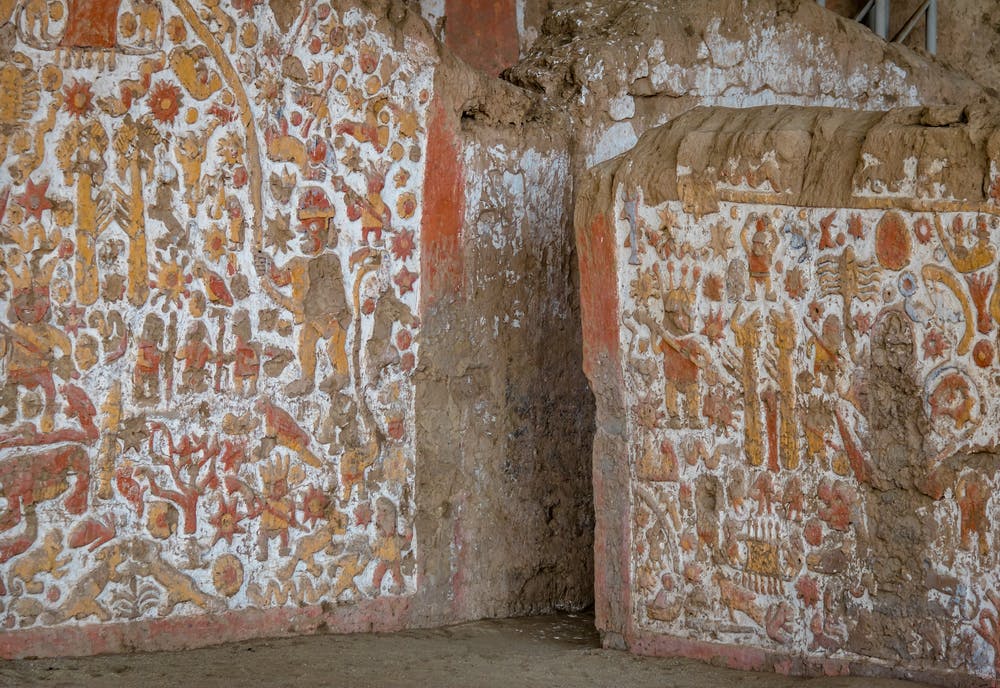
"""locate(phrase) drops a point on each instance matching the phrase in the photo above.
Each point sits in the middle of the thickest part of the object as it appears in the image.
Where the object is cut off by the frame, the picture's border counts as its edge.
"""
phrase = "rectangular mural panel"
(811, 420)
(209, 223)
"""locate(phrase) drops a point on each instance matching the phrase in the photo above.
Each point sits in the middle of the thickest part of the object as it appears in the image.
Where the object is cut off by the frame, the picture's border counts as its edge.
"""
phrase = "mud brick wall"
(504, 478)
(212, 270)
(791, 324)
(248, 311)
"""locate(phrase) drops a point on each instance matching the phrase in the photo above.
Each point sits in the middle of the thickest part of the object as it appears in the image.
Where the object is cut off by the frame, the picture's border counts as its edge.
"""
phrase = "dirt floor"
(551, 651)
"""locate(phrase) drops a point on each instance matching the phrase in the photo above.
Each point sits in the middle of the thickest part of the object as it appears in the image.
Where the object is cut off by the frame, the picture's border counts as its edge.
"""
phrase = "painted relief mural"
(209, 221)
(813, 415)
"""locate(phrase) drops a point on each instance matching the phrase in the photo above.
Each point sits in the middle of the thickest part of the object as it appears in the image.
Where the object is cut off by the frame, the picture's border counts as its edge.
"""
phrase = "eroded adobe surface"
(504, 479)
(624, 66)
(968, 33)
(794, 358)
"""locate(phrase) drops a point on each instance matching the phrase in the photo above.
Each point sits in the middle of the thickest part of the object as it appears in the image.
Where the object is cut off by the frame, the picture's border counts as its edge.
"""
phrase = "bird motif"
(130, 488)
(283, 428)
(215, 287)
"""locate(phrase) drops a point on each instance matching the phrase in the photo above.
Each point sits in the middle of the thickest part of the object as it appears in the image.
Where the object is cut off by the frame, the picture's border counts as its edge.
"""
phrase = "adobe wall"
(212, 223)
(504, 483)
(236, 398)
(794, 362)
(598, 75)
(213, 363)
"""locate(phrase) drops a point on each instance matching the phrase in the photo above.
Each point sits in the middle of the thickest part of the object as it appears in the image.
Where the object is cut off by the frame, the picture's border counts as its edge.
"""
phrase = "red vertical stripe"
(441, 262)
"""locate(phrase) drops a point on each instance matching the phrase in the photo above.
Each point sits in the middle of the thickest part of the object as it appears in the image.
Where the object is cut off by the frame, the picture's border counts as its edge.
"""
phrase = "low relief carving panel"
(209, 223)
(813, 421)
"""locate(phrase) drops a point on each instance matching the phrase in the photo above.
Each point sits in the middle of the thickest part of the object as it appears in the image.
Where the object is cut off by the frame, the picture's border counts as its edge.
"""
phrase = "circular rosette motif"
(227, 575)
(952, 401)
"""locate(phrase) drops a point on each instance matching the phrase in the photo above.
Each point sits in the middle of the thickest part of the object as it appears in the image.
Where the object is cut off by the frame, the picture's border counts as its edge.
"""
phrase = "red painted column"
(595, 245)
(441, 262)
(598, 294)
(483, 33)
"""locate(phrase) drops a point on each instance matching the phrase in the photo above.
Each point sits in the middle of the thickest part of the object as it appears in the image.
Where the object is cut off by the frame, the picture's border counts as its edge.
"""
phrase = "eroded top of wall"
(626, 65)
(968, 33)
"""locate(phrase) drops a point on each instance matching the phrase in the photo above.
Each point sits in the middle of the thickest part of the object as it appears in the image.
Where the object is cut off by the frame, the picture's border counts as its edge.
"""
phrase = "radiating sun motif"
(78, 98)
(648, 413)
(227, 521)
(171, 277)
(215, 242)
(934, 344)
(403, 244)
(165, 101)
(315, 505)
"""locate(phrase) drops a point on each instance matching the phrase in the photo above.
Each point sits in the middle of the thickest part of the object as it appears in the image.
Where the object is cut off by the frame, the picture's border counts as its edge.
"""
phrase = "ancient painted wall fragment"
(209, 225)
(809, 412)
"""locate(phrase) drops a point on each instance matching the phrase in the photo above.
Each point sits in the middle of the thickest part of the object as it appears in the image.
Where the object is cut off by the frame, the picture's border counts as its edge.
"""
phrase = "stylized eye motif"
(907, 284)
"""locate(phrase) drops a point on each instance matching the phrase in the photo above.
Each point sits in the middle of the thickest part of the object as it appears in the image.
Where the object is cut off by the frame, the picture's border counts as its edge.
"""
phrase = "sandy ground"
(549, 652)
